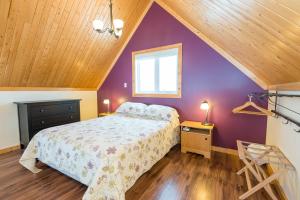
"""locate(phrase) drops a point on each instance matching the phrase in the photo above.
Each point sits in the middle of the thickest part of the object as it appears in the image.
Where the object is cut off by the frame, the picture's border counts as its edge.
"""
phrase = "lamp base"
(206, 124)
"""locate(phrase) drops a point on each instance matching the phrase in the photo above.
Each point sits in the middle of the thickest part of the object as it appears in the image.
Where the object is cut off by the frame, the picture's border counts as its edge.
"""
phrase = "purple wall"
(205, 75)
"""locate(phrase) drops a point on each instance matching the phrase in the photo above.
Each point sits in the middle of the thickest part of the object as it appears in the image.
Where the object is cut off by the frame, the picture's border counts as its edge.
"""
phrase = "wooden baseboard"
(276, 184)
(9, 149)
(225, 150)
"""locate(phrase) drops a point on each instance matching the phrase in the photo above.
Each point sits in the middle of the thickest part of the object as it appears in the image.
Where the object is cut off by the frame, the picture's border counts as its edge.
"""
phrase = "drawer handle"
(205, 138)
(71, 116)
(42, 110)
(42, 122)
(71, 107)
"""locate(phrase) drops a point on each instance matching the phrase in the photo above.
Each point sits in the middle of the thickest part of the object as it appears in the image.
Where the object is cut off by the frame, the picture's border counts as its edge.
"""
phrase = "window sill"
(158, 95)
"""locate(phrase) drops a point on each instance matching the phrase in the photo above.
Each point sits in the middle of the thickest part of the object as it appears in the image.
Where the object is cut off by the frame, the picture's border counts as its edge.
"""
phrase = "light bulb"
(118, 24)
(106, 101)
(204, 105)
(118, 33)
(98, 25)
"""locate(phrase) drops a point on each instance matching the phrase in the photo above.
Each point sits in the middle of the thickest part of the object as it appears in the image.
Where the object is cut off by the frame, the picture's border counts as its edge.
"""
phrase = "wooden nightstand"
(196, 138)
(104, 114)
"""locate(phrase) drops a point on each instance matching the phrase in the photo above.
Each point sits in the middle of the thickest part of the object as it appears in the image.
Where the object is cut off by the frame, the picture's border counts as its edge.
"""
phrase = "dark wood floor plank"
(176, 176)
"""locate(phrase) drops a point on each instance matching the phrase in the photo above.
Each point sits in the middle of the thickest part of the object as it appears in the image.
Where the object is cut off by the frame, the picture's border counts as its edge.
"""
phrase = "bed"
(107, 154)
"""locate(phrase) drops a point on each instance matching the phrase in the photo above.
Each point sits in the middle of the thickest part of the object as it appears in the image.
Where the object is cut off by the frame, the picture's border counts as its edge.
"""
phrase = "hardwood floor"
(176, 176)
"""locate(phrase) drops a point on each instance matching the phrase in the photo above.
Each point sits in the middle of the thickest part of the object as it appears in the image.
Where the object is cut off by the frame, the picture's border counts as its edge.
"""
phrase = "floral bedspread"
(107, 154)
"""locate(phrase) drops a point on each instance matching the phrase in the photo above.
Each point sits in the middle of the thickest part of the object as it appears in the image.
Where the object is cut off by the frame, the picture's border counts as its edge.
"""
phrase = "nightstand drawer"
(196, 138)
(197, 141)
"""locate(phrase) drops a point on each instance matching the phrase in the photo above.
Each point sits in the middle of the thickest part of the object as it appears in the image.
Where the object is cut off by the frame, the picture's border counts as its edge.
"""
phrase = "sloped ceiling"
(261, 36)
(50, 43)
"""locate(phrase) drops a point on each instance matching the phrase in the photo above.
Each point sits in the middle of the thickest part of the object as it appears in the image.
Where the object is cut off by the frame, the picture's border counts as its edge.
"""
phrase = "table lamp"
(205, 106)
(106, 102)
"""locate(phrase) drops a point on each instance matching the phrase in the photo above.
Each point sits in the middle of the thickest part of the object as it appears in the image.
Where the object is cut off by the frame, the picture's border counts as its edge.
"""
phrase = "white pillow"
(132, 108)
(161, 113)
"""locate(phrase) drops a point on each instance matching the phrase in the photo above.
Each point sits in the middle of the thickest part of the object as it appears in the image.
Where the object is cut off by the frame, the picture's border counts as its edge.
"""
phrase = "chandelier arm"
(111, 17)
(116, 36)
(103, 31)
(111, 29)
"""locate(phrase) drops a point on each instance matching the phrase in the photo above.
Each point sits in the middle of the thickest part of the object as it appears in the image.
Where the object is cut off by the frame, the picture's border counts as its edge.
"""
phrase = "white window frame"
(152, 52)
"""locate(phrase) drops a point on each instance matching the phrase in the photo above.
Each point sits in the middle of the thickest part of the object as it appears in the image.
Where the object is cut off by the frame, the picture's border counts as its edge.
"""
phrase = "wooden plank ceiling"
(261, 35)
(51, 43)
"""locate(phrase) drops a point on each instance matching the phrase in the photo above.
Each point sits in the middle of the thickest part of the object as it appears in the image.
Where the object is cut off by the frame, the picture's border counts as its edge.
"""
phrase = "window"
(157, 72)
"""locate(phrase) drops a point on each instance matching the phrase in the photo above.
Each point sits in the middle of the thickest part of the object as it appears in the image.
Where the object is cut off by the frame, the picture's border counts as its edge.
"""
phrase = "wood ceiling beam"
(286, 87)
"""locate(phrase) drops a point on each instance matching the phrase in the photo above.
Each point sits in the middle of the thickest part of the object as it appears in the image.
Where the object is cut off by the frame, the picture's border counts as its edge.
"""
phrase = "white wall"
(284, 136)
(9, 130)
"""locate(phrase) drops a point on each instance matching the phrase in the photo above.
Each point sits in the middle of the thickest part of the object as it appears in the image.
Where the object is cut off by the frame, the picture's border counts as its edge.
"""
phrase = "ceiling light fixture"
(116, 25)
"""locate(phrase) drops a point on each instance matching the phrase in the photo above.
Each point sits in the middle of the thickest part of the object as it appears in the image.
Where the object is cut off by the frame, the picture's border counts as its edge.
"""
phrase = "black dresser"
(37, 115)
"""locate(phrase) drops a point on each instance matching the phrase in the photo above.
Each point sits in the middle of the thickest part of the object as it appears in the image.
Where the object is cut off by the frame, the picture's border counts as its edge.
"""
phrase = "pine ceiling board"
(140, 6)
(291, 4)
(105, 51)
(4, 12)
(16, 41)
(83, 39)
(37, 32)
(7, 40)
(61, 51)
(51, 43)
(232, 36)
(103, 46)
(54, 49)
(37, 74)
(74, 45)
(289, 47)
(273, 20)
(213, 33)
(19, 67)
(96, 46)
(242, 30)
(266, 39)
(290, 15)
(239, 34)
(100, 48)
(41, 68)
(268, 24)
(5, 9)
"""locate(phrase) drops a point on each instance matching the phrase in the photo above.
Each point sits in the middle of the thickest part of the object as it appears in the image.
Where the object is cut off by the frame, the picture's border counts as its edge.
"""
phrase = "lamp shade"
(118, 24)
(204, 105)
(106, 101)
(98, 25)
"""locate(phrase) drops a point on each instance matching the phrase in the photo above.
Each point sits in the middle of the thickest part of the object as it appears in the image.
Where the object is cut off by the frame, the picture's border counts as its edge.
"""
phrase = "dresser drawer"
(196, 141)
(37, 115)
(46, 122)
(39, 111)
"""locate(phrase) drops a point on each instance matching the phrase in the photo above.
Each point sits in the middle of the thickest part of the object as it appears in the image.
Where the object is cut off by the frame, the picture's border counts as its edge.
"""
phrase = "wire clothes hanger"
(250, 103)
